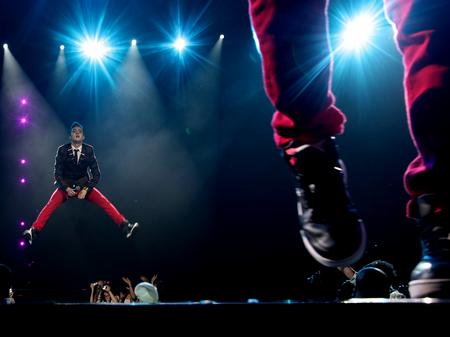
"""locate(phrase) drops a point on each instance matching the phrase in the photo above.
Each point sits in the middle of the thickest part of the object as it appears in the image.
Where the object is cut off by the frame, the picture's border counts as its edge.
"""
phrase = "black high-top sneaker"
(431, 276)
(128, 228)
(331, 229)
(30, 234)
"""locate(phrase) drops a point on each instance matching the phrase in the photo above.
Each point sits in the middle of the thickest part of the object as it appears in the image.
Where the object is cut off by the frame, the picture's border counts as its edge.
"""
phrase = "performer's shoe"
(331, 229)
(128, 228)
(30, 234)
(431, 276)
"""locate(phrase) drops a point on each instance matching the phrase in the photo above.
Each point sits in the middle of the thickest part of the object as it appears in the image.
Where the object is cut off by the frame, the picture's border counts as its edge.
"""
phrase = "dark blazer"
(69, 174)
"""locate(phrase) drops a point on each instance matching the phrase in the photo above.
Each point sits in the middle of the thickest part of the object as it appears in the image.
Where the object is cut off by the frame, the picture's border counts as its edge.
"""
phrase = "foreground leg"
(422, 34)
(293, 39)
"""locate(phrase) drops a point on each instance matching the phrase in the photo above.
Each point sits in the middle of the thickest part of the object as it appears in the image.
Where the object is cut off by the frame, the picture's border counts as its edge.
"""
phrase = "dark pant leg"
(422, 35)
(295, 50)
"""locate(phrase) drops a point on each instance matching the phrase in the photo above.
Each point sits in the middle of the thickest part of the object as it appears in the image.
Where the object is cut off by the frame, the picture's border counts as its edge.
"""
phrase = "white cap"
(146, 292)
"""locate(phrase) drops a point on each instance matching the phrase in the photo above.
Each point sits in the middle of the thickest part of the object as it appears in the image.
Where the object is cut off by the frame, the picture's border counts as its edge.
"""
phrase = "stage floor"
(283, 316)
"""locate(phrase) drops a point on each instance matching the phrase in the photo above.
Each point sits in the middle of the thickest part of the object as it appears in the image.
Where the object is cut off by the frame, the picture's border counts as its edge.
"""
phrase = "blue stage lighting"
(94, 49)
(358, 32)
(179, 44)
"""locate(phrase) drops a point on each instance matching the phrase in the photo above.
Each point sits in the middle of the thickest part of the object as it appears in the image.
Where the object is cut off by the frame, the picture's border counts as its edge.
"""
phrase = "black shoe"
(30, 234)
(331, 229)
(128, 228)
(431, 276)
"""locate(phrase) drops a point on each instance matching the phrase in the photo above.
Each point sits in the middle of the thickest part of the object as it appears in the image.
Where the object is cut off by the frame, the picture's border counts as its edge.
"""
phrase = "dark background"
(186, 149)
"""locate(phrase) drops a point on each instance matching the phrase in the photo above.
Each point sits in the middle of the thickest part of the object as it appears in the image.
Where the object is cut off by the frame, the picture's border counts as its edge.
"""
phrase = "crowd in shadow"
(377, 279)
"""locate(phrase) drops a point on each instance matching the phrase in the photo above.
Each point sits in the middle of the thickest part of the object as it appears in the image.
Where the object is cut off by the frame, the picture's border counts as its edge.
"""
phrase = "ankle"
(314, 156)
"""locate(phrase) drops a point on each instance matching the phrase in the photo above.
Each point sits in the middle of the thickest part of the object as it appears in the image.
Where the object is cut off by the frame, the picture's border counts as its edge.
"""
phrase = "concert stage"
(199, 317)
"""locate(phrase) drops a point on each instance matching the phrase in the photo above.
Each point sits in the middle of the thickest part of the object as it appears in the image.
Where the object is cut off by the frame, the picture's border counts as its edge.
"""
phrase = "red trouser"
(293, 38)
(59, 196)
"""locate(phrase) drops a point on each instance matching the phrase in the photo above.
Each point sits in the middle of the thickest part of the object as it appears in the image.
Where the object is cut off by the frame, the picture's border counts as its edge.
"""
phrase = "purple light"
(22, 223)
(23, 161)
(23, 181)
(22, 243)
(24, 101)
(23, 120)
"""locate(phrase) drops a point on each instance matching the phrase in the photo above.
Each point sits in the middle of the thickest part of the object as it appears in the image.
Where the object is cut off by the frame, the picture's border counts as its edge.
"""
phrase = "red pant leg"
(422, 31)
(99, 199)
(293, 39)
(57, 198)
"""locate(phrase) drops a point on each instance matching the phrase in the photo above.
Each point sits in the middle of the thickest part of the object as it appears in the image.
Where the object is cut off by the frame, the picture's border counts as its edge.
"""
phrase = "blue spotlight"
(222, 36)
(358, 32)
(5, 46)
(94, 49)
(61, 47)
(179, 44)
(133, 43)
(93, 45)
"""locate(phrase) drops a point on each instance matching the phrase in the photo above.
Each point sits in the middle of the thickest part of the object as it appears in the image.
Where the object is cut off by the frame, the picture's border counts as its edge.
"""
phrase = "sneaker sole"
(28, 237)
(337, 263)
(434, 288)
(132, 230)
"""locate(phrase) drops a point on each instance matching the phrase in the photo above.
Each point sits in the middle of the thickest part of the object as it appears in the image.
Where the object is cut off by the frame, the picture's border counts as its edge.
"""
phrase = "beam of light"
(182, 34)
(179, 44)
(359, 29)
(135, 90)
(192, 28)
(361, 60)
(94, 49)
(135, 103)
(19, 138)
(358, 32)
(59, 76)
(200, 96)
(20, 97)
(304, 82)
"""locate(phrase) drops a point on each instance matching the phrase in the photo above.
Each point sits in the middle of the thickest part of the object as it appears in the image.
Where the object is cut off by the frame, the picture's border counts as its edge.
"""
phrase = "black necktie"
(76, 155)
